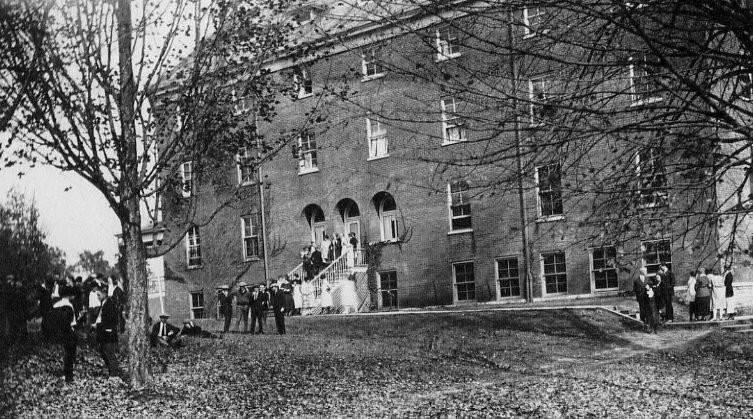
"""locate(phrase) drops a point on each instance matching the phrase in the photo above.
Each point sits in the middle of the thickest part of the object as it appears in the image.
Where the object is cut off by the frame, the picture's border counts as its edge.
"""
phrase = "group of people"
(316, 257)
(709, 295)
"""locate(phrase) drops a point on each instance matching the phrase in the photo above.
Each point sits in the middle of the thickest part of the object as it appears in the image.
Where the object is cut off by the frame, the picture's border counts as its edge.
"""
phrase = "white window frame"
(533, 21)
(542, 83)
(241, 105)
(464, 201)
(193, 241)
(639, 72)
(192, 309)
(376, 135)
(544, 274)
(303, 83)
(659, 197)
(451, 121)
(448, 47)
(594, 271)
(371, 58)
(537, 178)
(455, 282)
(498, 279)
(388, 219)
(186, 178)
(644, 245)
(243, 154)
(249, 232)
(307, 158)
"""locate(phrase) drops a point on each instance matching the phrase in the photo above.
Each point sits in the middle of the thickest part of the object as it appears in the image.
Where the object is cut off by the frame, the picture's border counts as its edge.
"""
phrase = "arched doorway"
(351, 216)
(315, 217)
(386, 208)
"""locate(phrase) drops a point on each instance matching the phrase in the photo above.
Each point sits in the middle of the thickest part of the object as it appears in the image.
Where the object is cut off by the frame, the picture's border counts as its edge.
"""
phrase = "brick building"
(397, 151)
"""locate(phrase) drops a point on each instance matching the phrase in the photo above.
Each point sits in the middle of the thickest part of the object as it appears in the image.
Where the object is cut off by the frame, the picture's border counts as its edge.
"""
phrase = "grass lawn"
(552, 363)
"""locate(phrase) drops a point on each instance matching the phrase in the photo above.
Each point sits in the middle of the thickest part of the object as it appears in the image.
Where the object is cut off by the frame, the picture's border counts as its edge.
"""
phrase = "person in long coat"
(690, 296)
(639, 288)
(730, 293)
(703, 295)
(60, 322)
(653, 288)
(226, 306)
(718, 298)
(107, 332)
(277, 297)
(287, 292)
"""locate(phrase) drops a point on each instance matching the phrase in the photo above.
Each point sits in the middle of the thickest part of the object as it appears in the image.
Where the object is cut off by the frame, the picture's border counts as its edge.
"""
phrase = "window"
(508, 277)
(533, 20)
(186, 175)
(388, 289)
(250, 237)
(655, 253)
(539, 96)
(388, 218)
(303, 84)
(371, 63)
(555, 272)
(465, 281)
(197, 305)
(193, 247)
(652, 189)
(241, 105)
(453, 129)
(549, 185)
(604, 268)
(448, 44)
(376, 132)
(307, 153)
(645, 85)
(460, 207)
(245, 166)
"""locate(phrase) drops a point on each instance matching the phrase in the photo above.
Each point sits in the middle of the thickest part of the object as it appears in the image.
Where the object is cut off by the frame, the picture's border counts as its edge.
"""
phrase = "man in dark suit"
(59, 323)
(316, 260)
(277, 298)
(226, 306)
(107, 331)
(259, 304)
(668, 291)
(165, 334)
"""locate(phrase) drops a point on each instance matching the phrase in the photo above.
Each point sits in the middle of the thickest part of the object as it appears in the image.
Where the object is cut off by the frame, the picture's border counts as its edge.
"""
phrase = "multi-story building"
(412, 130)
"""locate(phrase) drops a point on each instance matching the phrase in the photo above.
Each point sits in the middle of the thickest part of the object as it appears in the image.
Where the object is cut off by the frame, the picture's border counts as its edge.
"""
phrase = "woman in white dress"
(326, 300)
(718, 298)
(297, 295)
(307, 294)
(348, 295)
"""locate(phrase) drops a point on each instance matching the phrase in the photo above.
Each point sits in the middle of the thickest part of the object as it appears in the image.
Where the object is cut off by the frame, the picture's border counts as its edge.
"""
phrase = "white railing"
(297, 270)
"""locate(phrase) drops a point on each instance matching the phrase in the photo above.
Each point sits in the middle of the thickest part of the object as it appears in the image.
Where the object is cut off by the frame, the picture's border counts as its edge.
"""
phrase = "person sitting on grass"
(164, 334)
(192, 329)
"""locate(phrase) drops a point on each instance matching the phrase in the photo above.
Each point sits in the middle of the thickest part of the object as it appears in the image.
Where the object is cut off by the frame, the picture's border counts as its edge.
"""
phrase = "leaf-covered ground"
(555, 363)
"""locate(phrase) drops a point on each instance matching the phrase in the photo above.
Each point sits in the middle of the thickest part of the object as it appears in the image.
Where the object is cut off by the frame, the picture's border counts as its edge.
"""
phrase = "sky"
(75, 220)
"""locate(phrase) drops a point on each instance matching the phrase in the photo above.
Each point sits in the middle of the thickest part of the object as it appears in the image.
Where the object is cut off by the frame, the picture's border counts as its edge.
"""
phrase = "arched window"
(387, 211)
(315, 217)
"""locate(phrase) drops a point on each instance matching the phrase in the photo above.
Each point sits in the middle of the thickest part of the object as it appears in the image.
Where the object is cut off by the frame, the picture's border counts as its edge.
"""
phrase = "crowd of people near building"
(709, 295)
(316, 257)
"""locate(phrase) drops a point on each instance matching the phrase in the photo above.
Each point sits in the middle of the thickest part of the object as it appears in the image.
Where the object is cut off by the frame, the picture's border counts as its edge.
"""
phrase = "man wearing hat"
(106, 327)
(242, 301)
(277, 298)
(192, 329)
(226, 306)
(259, 301)
(59, 324)
(165, 334)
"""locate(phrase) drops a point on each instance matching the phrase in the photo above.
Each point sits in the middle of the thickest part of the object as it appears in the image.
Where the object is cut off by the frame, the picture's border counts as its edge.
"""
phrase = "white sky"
(75, 220)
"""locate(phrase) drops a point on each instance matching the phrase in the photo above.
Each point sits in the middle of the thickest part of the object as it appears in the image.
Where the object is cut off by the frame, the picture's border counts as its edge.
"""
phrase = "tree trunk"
(128, 212)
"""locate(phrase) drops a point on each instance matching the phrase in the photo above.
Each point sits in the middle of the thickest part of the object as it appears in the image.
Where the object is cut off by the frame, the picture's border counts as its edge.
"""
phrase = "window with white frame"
(241, 104)
(539, 96)
(645, 76)
(388, 289)
(604, 268)
(388, 218)
(186, 178)
(549, 190)
(652, 189)
(304, 87)
(464, 280)
(371, 62)
(533, 20)
(250, 237)
(307, 153)
(245, 166)
(197, 305)
(376, 132)
(460, 206)
(448, 43)
(453, 129)
(193, 247)
(555, 272)
(655, 253)
(508, 277)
